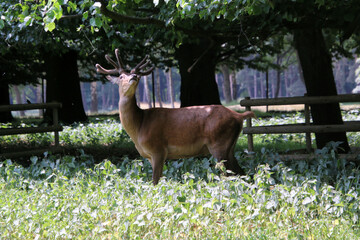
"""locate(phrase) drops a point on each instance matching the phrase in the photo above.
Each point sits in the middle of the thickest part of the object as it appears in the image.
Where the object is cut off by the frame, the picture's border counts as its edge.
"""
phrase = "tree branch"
(129, 19)
(71, 16)
(351, 28)
(143, 20)
(201, 56)
(5, 61)
(149, 21)
(225, 55)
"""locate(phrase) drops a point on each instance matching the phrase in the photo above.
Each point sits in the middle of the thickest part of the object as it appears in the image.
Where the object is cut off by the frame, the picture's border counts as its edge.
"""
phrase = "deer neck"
(130, 115)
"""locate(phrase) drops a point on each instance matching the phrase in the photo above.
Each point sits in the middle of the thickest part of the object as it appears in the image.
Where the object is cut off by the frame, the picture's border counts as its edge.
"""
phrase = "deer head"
(127, 81)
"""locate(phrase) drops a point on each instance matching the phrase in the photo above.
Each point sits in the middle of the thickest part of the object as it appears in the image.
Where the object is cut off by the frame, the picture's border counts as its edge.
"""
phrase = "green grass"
(70, 197)
(83, 196)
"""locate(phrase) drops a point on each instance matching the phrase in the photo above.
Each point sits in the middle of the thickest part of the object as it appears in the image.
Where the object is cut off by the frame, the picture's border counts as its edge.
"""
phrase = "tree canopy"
(158, 26)
(198, 34)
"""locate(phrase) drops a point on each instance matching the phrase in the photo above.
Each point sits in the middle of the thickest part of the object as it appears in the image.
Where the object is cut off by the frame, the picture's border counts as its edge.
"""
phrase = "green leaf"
(85, 15)
(61, 2)
(58, 14)
(96, 22)
(27, 20)
(92, 22)
(181, 199)
(72, 5)
(50, 27)
(2, 24)
(200, 210)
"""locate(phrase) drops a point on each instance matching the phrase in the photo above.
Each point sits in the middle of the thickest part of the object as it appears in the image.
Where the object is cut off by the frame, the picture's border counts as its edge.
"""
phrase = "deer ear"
(112, 79)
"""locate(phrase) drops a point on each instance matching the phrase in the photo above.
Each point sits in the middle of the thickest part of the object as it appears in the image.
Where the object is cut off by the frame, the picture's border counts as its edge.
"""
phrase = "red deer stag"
(161, 133)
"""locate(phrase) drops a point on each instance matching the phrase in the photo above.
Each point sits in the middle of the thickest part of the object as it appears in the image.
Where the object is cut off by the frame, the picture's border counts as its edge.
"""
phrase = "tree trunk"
(267, 87)
(219, 84)
(273, 83)
(83, 87)
(262, 85)
(114, 97)
(248, 81)
(286, 80)
(108, 97)
(299, 67)
(105, 96)
(233, 85)
(170, 88)
(5, 100)
(18, 99)
(147, 94)
(198, 86)
(226, 87)
(39, 98)
(278, 77)
(255, 83)
(158, 87)
(319, 81)
(267, 84)
(94, 97)
(63, 85)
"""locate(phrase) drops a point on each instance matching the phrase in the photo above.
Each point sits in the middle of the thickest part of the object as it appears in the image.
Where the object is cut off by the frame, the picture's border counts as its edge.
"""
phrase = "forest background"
(254, 47)
(103, 97)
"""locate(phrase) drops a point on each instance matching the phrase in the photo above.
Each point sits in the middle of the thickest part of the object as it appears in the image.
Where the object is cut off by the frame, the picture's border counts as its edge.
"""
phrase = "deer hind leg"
(232, 163)
(225, 151)
(157, 163)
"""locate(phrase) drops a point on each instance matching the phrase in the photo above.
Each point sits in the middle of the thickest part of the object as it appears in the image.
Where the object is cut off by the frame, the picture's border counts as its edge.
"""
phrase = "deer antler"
(119, 66)
(141, 66)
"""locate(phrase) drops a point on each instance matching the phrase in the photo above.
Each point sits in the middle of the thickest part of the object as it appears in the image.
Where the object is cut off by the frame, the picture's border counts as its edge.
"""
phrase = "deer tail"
(248, 114)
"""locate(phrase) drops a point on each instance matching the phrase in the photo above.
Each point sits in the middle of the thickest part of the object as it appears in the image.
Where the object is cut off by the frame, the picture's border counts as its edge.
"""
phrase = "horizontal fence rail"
(56, 128)
(307, 127)
(300, 100)
(22, 107)
(28, 130)
(303, 128)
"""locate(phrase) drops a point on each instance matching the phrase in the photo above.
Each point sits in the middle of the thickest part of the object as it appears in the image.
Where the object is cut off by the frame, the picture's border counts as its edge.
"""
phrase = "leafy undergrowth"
(71, 197)
(84, 195)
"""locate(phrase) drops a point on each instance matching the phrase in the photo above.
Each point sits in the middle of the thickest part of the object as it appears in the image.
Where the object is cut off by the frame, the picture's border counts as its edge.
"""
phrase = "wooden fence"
(307, 127)
(55, 127)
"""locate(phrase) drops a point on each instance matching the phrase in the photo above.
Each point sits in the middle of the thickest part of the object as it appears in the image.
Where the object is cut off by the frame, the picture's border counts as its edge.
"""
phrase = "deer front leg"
(157, 163)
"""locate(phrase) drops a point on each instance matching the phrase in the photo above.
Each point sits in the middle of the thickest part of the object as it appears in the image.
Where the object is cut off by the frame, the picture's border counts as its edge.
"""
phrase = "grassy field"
(97, 192)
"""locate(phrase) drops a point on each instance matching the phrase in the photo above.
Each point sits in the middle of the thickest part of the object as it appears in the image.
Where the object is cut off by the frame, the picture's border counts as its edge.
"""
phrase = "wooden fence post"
(307, 122)
(249, 124)
(56, 123)
(308, 134)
